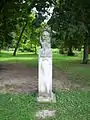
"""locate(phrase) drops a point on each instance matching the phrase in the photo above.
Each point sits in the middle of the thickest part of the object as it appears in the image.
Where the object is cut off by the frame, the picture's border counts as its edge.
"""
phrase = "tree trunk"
(35, 48)
(61, 50)
(85, 52)
(3, 3)
(17, 44)
(89, 49)
(70, 52)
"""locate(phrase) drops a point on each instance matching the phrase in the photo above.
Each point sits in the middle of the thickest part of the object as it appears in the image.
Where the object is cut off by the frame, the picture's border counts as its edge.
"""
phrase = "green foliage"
(27, 47)
(10, 16)
(13, 17)
(70, 22)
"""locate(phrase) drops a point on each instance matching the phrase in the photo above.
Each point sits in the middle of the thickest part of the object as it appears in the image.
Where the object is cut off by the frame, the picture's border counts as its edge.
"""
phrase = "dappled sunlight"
(17, 58)
(7, 57)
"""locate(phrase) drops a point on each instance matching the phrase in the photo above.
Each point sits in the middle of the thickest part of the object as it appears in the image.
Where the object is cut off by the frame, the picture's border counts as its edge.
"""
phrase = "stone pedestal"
(48, 99)
(45, 76)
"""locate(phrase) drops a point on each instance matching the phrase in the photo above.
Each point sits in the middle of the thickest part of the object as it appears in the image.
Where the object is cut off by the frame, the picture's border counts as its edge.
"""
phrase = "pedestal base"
(48, 99)
(42, 114)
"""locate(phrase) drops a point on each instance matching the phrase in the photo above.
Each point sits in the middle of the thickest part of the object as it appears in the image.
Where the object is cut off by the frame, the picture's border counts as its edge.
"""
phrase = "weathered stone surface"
(45, 113)
(47, 99)
(45, 70)
(45, 75)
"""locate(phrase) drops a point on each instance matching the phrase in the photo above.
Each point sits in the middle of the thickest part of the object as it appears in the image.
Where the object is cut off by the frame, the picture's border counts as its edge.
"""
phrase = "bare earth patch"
(19, 78)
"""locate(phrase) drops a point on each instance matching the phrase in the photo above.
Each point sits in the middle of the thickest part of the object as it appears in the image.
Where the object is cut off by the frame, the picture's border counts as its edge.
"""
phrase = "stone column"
(45, 93)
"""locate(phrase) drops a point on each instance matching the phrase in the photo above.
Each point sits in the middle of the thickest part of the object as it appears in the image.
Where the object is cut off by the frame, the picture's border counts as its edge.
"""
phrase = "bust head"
(46, 36)
(45, 39)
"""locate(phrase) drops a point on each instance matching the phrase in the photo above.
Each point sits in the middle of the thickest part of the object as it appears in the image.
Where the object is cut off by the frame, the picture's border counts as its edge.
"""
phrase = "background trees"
(16, 15)
(22, 20)
(69, 21)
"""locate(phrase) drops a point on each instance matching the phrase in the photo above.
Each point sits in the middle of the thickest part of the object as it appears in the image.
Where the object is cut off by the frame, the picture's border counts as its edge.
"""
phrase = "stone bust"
(45, 39)
(45, 43)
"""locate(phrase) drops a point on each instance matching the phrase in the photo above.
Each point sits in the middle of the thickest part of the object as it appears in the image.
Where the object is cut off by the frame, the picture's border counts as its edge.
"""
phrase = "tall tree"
(75, 13)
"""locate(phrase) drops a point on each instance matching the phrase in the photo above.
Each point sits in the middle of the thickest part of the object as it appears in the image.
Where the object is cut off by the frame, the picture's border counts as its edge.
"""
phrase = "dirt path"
(19, 78)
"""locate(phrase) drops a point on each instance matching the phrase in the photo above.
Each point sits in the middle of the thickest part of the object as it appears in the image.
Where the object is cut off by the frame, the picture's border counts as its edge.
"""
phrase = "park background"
(21, 24)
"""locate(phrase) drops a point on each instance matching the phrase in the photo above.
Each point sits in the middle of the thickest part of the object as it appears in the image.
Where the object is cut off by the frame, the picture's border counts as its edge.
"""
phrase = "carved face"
(46, 36)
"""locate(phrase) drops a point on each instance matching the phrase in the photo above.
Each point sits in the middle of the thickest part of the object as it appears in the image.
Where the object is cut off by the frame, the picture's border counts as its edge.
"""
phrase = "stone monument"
(45, 93)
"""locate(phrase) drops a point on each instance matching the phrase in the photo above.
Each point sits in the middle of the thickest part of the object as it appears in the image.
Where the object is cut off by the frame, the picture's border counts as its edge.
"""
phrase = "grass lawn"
(76, 71)
(70, 105)
(73, 105)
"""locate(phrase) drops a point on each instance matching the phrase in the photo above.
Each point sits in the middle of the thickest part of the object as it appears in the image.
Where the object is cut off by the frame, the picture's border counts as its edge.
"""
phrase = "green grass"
(70, 105)
(26, 58)
(76, 71)
(74, 105)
